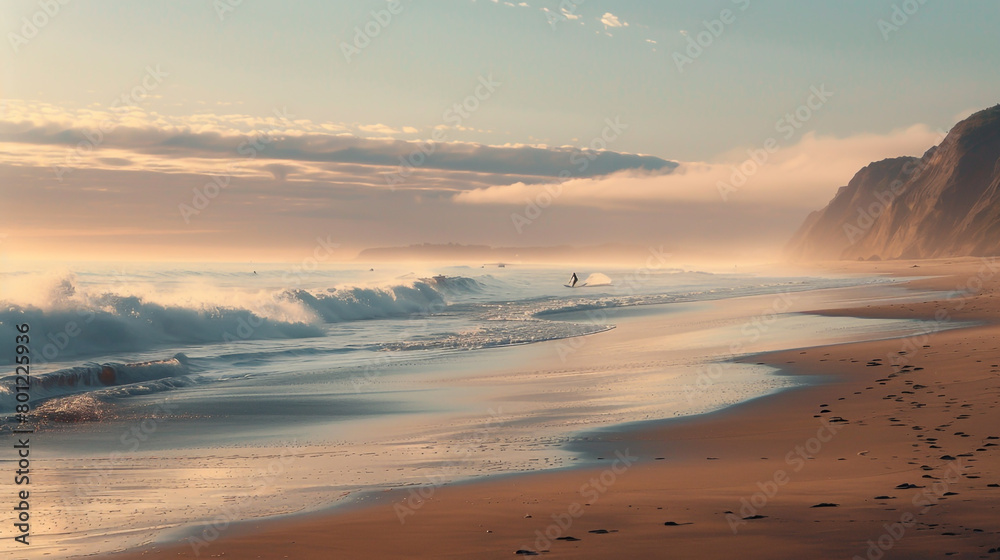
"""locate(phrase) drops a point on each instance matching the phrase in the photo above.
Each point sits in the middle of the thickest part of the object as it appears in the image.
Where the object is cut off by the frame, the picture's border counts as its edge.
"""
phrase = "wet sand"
(892, 453)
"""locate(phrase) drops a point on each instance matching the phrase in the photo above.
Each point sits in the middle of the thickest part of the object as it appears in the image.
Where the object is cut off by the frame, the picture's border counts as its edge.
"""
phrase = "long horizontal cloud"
(288, 142)
(804, 175)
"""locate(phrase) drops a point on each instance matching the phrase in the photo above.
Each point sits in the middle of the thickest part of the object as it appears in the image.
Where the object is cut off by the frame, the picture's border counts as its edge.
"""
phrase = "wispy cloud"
(804, 175)
(385, 130)
(611, 20)
(208, 143)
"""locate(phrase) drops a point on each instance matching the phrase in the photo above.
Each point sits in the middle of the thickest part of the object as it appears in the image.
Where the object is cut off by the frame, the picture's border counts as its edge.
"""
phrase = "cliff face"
(946, 203)
(828, 233)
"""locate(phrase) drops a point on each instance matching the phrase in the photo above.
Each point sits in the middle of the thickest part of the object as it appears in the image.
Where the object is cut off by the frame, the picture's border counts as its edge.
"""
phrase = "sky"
(229, 130)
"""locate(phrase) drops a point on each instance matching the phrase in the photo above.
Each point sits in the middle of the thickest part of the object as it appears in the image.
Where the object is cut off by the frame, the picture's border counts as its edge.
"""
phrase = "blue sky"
(560, 75)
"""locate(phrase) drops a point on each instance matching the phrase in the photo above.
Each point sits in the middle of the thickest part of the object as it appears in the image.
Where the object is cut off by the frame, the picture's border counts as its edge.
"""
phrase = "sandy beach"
(892, 452)
(484, 279)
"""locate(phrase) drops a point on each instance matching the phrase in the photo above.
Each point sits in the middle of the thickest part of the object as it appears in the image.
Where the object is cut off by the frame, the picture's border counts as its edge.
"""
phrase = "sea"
(173, 401)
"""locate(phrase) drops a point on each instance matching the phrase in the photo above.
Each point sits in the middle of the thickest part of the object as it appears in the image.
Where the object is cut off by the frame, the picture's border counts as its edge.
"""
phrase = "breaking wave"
(53, 394)
(73, 323)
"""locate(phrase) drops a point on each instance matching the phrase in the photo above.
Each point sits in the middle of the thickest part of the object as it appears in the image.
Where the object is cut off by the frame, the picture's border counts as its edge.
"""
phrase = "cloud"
(132, 214)
(211, 143)
(804, 176)
(279, 171)
(611, 20)
(289, 178)
(379, 129)
(386, 130)
(115, 161)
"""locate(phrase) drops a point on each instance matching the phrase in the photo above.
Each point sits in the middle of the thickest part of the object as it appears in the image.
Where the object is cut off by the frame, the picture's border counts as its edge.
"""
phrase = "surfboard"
(577, 286)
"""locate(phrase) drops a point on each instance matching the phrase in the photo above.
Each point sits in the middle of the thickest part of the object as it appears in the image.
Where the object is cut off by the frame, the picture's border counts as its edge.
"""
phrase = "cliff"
(946, 203)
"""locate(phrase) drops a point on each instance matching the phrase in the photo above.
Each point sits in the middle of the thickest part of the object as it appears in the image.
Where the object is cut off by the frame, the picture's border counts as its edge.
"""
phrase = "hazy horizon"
(240, 132)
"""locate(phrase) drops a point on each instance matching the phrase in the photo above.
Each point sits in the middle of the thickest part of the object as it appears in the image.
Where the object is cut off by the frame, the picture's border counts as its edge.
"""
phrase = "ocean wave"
(55, 394)
(500, 333)
(358, 304)
(76, 323)
(111, 323)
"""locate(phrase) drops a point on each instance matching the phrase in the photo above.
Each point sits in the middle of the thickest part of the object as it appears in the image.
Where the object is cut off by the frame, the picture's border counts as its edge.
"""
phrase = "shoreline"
(688, 445)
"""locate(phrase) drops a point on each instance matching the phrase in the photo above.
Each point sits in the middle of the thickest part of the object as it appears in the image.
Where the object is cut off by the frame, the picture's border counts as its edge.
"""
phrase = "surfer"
(572, 281)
